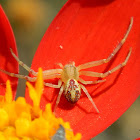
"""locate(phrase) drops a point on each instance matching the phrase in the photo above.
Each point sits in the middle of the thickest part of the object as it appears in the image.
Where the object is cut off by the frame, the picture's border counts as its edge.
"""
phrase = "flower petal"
(87, 31)
(7, 62)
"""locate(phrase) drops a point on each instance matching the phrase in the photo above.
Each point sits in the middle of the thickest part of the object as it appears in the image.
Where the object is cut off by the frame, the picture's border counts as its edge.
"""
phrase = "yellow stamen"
(4, 119)
(8, 94)
(39, 83)
(21, 121)
(22, 126)
(33, 94)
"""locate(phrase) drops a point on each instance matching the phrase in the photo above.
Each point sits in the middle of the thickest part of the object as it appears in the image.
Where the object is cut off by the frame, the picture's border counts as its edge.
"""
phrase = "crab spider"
(69, 75)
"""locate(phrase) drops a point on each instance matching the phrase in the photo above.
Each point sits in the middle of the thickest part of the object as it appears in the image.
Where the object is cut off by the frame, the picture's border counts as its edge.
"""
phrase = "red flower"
(88, 31)
(7, 62)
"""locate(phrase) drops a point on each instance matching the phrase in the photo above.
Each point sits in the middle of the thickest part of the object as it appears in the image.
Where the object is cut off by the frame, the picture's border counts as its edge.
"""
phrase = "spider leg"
(119, 66)
(52, 72)
(90, 82)
(46, 72)
(58, 98)
(90, 73)
(102, 75)
(23, 65)
(60, 65)
(100, 62)
(53, 85)
(31, 79)
(89, 97)
(72, 63)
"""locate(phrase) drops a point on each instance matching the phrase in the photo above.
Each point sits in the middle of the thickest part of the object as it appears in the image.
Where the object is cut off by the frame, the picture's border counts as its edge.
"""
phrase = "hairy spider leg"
(119, 66)
(46, 72)
(33, 79)
(59, 96)
(53, 85)
(90, 82)
(72, 63)
(60, 65)
(22, 64)
(102, 61)
(89, 97)
(102, 75)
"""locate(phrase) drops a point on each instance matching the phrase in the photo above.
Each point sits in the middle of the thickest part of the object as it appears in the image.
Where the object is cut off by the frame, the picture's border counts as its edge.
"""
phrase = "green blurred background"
(29, 20)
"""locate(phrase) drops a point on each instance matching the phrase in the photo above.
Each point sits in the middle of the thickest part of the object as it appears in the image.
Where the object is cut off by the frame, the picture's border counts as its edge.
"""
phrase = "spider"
(70, 82)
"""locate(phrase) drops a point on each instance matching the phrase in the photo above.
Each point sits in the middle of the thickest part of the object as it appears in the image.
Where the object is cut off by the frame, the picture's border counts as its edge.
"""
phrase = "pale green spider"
(69, 75)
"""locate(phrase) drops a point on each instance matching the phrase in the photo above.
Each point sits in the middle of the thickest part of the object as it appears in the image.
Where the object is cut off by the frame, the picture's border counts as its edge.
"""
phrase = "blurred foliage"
(30, 19)
(127, 127)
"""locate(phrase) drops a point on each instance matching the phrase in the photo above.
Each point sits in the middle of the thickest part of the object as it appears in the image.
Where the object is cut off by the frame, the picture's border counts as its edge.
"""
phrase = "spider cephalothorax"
(70, 81)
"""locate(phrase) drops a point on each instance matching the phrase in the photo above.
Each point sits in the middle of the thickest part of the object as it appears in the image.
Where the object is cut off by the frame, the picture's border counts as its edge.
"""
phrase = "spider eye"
(69, 96)
(77, 91)
(68, 92)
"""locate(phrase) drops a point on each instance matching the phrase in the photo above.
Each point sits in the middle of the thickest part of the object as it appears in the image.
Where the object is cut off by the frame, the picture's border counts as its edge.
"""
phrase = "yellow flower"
(21, 121)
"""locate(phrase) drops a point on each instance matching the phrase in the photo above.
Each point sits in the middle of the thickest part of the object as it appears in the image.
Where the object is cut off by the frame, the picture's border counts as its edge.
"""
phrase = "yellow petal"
(22, 108)
(9, 131)
(21, 121)
(22, 127)
(27, 138)
(12, 138)
(78, 136)
(2, 137)
(33, 94)
(4, 119)
(40, 128)
(10, 109)
(39, 83)
(8, 94)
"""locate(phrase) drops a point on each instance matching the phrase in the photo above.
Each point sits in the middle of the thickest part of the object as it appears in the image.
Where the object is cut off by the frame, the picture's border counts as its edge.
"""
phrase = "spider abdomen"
(72, 90)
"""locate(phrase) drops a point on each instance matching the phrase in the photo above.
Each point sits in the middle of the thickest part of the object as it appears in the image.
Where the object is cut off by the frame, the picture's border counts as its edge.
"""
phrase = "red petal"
(7, 62)
(88, 31)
